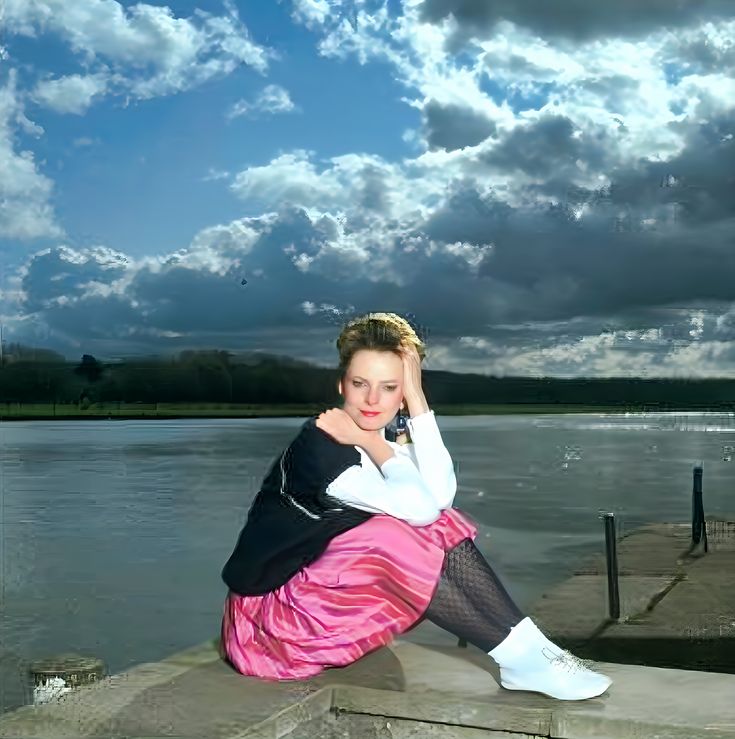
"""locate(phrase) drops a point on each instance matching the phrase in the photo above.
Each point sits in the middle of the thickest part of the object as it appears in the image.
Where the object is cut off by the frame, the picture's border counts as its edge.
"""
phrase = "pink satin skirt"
(373, 582)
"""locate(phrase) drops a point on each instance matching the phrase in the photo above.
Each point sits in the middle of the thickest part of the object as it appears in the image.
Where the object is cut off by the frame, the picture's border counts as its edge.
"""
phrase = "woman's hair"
(383, 332)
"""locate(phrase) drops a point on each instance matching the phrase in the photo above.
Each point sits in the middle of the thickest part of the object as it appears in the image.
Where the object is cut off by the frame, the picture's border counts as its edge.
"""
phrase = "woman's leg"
(471, 602)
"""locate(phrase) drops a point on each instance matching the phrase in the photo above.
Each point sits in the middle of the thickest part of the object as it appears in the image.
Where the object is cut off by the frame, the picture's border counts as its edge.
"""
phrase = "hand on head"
(411, 372)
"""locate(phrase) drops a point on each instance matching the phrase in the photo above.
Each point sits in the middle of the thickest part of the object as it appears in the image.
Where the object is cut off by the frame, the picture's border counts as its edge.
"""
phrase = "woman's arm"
(396, 487)
(414, 485)
(431, 457)
(378, 450)
(427, 451)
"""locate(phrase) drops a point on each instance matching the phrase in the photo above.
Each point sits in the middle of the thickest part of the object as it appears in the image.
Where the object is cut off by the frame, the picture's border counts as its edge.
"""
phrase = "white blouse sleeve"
(414, 486)
(432, 458)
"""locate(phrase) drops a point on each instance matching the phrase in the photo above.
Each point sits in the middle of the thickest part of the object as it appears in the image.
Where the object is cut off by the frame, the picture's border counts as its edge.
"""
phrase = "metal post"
(699, 527)
(611, 556)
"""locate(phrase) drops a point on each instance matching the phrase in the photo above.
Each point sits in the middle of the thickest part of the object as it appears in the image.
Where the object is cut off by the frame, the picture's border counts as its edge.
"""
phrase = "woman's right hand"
(339, 424)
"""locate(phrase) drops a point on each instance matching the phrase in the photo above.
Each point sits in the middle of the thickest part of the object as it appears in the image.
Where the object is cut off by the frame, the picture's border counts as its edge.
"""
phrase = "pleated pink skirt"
(373, 582)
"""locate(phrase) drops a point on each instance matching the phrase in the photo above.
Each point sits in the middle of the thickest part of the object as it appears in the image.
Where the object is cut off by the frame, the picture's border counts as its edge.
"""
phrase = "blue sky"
(549, 191)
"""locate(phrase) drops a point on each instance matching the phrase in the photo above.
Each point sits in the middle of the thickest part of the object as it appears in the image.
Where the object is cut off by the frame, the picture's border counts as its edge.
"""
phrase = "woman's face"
(373, 382)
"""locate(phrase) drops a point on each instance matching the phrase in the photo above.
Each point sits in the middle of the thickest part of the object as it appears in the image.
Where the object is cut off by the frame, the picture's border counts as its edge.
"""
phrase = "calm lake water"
(113, 533)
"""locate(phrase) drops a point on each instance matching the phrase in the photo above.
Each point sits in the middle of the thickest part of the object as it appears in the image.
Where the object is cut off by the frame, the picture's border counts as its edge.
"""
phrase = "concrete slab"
(86, 711)
(192, 693)
(677, 608)
(655, 550)
(720, 562)
(693, 627)
(578, 608)
(643, 702)
(418, 690)
(361, 726)
(451, 709)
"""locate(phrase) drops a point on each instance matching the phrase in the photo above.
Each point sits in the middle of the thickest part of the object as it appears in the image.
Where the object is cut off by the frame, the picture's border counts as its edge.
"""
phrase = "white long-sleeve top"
(415, 485)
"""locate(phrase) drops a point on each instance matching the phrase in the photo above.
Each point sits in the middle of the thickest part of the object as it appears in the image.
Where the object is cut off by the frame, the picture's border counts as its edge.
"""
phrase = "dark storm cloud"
(614, 91)
(578, 20)
(185, 299)
(173, 297)
(476, 261)
(697, 54)
(562, 261)
(468, 216)
(183, 296)
(373, 189)
(453, 127)
(517, 65)
(576, 269)
(108, 320)
(545, 146)
(54, 274)
(699, 182)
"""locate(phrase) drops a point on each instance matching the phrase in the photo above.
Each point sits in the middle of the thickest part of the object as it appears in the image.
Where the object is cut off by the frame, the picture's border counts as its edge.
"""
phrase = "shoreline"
(42, 412)
(164, 414)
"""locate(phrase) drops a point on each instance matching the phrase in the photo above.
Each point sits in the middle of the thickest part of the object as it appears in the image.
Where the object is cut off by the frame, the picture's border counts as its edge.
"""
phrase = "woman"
(353, 539)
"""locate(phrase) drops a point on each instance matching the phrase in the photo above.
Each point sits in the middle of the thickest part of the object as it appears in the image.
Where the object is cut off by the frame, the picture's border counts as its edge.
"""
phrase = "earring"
(401, 420)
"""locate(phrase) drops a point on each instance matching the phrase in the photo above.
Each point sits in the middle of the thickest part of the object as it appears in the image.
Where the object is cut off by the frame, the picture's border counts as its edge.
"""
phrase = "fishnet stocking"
(470, 601)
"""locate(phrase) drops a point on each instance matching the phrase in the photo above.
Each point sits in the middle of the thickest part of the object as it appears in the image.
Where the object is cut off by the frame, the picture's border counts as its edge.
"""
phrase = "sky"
(546, 189)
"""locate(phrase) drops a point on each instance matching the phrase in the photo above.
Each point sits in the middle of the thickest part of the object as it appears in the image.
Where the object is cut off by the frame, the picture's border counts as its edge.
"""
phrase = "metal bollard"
(699, 526)
(611, 555)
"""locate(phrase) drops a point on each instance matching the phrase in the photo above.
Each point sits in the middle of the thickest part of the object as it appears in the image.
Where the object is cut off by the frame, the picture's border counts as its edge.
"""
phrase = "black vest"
(292, 520)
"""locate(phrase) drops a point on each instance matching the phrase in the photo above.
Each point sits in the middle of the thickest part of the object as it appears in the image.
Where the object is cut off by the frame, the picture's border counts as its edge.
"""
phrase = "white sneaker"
(530, 661)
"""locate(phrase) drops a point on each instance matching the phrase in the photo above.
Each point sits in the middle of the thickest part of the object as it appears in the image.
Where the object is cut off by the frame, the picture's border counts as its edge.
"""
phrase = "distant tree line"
(30, 375)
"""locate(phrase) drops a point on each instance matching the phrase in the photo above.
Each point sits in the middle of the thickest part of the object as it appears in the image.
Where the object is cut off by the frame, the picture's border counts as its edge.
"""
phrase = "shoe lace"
(567, 660)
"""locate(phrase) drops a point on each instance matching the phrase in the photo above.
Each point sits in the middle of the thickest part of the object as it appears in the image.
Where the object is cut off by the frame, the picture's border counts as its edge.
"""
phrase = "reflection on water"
(114, 533)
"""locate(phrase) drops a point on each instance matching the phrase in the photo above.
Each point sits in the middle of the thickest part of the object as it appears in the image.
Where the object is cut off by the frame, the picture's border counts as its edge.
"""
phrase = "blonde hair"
(383, 332)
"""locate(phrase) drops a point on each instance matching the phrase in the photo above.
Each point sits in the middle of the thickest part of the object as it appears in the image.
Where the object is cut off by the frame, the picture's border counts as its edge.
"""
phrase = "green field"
(50, 411)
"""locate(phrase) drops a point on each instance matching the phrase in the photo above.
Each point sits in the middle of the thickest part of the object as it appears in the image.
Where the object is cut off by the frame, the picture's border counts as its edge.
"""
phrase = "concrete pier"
(406, 690)
(677, 603)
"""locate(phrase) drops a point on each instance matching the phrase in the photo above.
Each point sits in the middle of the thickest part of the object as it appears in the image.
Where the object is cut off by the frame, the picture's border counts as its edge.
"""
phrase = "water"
(114, 533)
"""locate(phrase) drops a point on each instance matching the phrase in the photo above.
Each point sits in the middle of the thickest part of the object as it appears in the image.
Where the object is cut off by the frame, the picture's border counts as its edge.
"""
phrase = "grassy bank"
(51, 411)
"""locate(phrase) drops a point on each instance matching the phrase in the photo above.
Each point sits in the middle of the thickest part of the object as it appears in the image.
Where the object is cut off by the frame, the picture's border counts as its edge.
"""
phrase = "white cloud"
(151, 51)
(289, 177)
(213, 175)
(25, 193)
(613, 86)
(139, 51)
(70, 94)
(84, 142)
(222, 242)
(311, 12)
(609, 354)
(272, 99)
(354, 184)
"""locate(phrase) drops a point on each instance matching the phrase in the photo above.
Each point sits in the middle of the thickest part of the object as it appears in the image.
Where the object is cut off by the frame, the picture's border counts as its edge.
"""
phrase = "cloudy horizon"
(543, 187)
